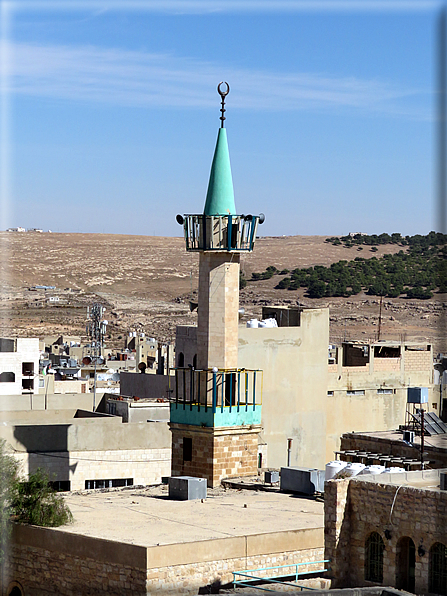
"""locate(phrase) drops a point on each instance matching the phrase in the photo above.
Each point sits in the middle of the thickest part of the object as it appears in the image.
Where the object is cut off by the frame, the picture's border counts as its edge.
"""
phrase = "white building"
(19, 366)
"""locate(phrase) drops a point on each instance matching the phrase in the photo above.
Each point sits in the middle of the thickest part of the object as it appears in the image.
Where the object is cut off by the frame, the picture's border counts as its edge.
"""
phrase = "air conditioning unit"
(409, 436)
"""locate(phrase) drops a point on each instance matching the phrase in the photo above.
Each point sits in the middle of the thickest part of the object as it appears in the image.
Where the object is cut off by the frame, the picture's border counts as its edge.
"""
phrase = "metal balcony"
(234, 233)
(228, 397)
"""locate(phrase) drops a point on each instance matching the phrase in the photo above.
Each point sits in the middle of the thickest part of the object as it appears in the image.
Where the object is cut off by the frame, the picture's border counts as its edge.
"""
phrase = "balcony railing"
(223, 398)
(220, 232)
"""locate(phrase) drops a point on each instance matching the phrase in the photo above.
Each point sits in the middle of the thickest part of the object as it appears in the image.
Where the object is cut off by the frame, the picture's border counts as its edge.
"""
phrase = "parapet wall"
(48, 561)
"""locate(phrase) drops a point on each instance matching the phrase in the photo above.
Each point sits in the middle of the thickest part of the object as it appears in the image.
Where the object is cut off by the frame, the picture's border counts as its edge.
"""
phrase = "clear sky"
(113, 113)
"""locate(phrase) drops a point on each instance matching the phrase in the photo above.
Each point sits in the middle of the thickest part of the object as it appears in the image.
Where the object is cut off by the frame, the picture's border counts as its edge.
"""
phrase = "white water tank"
(353, 469)
(333, 468)
(262, 324)
(270, 322)
(394, 470)
(374, 469)
(252, 323)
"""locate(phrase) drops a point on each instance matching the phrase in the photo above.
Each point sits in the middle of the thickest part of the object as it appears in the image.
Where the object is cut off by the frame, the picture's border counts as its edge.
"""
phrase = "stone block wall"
(188, 578)
(217, 453)
(45, 561)
(387, 364)
(355, 508)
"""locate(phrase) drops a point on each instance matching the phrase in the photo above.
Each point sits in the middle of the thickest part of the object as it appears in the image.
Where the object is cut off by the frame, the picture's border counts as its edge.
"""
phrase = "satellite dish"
(179, 219)
(86, 360)
(261, 218)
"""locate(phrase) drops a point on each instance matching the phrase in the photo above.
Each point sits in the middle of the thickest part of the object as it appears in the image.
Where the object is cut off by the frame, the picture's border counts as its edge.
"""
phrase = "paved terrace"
(147, 517)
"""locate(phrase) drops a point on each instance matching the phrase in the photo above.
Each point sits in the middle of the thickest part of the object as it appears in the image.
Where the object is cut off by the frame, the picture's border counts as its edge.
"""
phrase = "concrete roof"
(431, 442)
(427, 479)
(147, 517)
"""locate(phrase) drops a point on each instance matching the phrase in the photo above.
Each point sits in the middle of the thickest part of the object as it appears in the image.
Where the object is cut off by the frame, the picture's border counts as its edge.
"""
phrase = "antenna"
(96, 329)
(223, 94)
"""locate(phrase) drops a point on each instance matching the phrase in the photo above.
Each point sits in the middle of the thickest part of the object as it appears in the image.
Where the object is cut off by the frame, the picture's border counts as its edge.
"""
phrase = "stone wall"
(45, 561)
(354, 508)
(217, 453)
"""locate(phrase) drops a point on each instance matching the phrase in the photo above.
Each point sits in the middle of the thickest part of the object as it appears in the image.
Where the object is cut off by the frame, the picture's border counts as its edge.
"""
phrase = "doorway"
(405, 564)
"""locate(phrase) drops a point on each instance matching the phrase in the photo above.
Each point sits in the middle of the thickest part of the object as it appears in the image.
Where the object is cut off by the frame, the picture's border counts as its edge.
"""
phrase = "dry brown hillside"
(146, 282)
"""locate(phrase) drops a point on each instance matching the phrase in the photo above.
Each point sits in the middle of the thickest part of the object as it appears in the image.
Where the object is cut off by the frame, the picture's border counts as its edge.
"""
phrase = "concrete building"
(216, 413)
(19, 366)
(81, 449)
(388, 530)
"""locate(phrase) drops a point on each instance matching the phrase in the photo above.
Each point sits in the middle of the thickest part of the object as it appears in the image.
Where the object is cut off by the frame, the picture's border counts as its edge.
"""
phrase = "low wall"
(47, 561)
(145, 385)
(50, 561)
(184, 568)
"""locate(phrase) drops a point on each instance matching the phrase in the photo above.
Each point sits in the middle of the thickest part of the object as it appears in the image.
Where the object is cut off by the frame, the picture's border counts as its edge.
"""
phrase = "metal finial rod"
(223, 94)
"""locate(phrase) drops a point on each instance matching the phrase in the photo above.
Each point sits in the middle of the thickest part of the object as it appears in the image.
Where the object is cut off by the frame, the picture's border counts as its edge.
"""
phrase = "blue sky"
(113, 114)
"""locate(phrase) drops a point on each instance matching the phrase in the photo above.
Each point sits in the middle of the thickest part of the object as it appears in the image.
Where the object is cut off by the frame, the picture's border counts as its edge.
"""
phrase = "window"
(60, 485)
(181, 360)
(187, 449)
(27, 368)
(194, 361)
(386, 352)
(437, 582)
(41, 383)
(355, 392)
(7, 377)
(28, 384)
(374, 548)
(330, 393)
(385, 391)
(89, 484)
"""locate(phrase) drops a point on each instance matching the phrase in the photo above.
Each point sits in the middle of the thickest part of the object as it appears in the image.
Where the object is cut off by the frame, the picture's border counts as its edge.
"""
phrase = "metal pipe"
(289, 451)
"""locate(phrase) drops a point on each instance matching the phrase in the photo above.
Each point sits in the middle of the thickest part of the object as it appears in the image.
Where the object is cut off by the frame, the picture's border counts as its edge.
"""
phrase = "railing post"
(229, 230)
(184, 389)
(222, 397)
(254, 390)
(246, 391)
(214, 392)
(238, 389)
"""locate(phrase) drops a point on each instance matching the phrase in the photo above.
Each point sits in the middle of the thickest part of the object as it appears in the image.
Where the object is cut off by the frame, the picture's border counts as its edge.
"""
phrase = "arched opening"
(7, 377)
(437, 581)
(15, 589)
(405, 564)
(194, 361)
(374, 548)
(181, 360)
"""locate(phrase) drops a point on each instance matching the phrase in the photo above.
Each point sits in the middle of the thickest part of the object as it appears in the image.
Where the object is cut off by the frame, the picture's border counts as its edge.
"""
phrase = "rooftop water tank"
(374, 469)
(270, 322)
(333, 468)
(394, 470)
(252, 323)
(353, 469)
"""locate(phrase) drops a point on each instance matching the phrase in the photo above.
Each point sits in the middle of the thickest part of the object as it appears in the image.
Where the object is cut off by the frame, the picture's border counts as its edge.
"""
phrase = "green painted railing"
(252, 579)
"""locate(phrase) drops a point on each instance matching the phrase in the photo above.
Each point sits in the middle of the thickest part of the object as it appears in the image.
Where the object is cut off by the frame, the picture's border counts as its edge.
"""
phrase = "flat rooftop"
(431, 441)
(147, 517)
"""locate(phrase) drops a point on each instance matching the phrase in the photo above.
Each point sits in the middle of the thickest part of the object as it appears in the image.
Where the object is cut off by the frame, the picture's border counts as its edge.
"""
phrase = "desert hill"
(146, 283)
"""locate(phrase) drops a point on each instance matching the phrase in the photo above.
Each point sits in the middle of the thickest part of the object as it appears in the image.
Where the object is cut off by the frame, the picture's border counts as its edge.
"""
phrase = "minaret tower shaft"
(215, 419)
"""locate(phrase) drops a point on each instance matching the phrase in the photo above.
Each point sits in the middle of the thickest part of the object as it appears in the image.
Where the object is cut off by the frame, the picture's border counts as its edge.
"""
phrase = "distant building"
(16, 230)
(19, 366)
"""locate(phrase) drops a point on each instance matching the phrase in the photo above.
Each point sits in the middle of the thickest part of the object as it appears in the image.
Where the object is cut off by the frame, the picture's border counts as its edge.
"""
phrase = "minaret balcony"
(217, 398)
(231, 233)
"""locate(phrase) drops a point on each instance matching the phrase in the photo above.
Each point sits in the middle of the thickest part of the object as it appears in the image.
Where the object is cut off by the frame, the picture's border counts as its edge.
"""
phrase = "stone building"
(19, 366)
(389, 530)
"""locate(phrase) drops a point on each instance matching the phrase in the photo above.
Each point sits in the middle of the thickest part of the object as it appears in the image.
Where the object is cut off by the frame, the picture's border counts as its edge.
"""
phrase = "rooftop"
(427, 479)
(152, 519)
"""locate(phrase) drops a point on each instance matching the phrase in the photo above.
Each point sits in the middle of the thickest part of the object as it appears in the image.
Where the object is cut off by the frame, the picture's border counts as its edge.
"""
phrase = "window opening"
(181, 360)
(187, 449)
(438, 569)
(27, 368)
(406, 565)
(355, 355)
(386, 352)
(7, 377)
(374, 548)
(117, 482)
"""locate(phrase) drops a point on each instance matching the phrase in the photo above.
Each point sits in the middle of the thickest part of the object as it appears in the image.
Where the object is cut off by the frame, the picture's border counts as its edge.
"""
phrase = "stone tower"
(215, 418)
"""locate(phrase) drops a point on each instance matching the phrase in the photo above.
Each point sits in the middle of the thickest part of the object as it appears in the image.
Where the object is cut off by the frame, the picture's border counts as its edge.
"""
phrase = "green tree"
(36, 502)
(8, 481)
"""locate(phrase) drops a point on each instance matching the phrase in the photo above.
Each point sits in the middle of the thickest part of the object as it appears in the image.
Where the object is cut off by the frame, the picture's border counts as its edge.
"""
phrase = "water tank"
(374, 469)
(270, 322)
(333, 468)
(252, 323)
(353, 469)
(393, 470)
(262, 324)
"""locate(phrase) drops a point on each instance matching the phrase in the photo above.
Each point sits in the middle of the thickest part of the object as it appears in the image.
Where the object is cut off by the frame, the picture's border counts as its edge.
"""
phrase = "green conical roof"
(220, 195)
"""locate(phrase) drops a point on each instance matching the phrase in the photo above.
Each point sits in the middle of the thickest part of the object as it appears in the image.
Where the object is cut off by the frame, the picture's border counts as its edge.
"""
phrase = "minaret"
(215, 419)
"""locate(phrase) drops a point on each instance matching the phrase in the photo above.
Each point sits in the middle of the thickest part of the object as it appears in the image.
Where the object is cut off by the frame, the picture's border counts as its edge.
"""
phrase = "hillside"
(146, 283)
